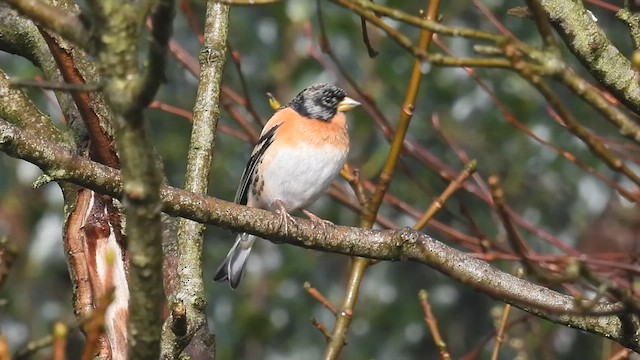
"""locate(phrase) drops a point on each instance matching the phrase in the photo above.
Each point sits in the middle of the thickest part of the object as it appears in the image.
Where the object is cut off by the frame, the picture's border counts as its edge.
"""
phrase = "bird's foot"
(318, 220)
(285, 218)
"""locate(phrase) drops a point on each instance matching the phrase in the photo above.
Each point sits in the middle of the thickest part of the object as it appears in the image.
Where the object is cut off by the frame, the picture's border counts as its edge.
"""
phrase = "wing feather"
(258, 152)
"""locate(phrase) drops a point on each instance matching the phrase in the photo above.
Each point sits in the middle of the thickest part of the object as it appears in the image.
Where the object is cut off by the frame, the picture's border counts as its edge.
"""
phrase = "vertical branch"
(4, 349)
(92, 223)
(141, 200)
(500, 332)
(432, 324)
(190, 291)
(161, 31)
(128, 90)
(60, 333)
(370, 211)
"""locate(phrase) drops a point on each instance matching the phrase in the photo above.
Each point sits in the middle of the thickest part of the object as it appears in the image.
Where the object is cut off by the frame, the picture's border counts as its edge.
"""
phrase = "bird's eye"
(329, 101)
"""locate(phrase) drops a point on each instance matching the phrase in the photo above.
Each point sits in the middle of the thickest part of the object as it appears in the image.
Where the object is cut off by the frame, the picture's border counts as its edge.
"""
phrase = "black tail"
(232, 267)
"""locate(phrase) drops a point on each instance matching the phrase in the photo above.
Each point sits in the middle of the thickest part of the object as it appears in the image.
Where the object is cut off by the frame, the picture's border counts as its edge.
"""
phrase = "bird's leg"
(285, 218)
(318, 220)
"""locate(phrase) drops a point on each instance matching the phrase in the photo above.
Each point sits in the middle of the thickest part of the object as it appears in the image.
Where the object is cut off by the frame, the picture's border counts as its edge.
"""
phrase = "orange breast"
(296, 129)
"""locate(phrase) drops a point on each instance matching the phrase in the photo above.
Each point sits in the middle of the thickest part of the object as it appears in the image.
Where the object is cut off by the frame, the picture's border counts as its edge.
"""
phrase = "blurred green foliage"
(268, 316)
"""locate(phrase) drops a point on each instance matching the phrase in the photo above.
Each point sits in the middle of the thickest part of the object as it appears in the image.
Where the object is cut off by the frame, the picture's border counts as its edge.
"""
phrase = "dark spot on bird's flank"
(318, 101)
(259, 186)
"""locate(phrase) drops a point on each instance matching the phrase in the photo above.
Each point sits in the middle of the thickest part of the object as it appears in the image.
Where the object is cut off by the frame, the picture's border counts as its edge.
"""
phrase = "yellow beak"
(347, 104)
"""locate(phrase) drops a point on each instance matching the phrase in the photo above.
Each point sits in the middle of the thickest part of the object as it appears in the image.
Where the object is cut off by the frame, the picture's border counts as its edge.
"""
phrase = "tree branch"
(20, 36)
(161, 30)
(126, 91)
(55, 19)
(190, 287)
(370, 210)
(393, 245)
(588, 42)
(16, 108)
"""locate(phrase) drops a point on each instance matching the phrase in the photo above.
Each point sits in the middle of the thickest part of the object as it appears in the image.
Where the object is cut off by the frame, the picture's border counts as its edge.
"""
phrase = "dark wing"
(247, 176)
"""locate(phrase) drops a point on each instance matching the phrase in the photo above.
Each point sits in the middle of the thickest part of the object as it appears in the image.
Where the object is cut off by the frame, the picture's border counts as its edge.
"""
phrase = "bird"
(301, 150)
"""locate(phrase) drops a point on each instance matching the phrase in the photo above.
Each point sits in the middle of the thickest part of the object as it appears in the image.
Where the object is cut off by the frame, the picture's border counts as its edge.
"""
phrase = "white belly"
(298, 178)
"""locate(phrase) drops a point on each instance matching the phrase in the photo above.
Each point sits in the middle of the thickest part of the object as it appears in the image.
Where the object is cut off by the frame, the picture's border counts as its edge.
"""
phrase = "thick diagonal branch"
(588, 42)
(392, 245)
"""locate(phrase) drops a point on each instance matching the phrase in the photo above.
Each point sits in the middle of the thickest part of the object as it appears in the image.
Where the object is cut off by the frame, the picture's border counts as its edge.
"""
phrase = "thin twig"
(542, 23)
(47, 85)
(314, 293)
(399, 38)
(174, 110)
(352, 176)
(60, 333)
(427, 23)
(454, 186)
(432, 324)
(53, 18)
(600, 103)
(501, 331)
(596, 147)
(323, 330)
(32, 347)
(365, 38)
(248, 104)
(185, 7)
(370, 211)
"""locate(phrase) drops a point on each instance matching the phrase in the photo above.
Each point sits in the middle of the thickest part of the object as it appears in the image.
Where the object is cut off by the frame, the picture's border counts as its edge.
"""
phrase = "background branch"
(55, 19)
(395, 245)
(592, 47)
(371, 208)
(190, 290)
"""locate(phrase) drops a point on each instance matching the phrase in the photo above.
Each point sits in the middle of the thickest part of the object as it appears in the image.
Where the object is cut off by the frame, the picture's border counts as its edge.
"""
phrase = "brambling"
(300, 151)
